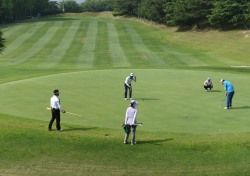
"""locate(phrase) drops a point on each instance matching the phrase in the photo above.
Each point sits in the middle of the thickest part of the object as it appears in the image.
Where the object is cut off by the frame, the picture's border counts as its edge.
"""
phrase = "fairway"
(185, 131)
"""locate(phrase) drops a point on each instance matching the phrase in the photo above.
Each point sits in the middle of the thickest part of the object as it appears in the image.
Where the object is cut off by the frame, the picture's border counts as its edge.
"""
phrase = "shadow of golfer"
(79, 129)
(242, 107)
(216, 91)
(155, 142)
(147, 99)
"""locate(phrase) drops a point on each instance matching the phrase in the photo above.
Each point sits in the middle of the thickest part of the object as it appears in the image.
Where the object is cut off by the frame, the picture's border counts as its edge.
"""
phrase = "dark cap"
(56, 91)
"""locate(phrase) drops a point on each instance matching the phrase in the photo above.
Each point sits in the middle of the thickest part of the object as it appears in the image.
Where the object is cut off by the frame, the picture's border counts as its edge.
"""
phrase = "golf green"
(169, 100)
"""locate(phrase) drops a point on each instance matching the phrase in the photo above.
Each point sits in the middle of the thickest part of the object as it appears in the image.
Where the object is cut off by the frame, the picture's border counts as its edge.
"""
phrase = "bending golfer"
(128, 85)
(208, 84)
(55, 111)
(130, 122)
(229, 92)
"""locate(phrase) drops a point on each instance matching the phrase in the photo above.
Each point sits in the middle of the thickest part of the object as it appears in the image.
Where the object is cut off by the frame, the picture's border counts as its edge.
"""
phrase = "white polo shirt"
(128, 80)
(55, 102)
(130, 117)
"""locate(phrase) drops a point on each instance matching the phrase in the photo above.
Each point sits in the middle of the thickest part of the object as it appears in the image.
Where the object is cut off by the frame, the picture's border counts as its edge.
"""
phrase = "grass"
(88, 151)
(185, 132)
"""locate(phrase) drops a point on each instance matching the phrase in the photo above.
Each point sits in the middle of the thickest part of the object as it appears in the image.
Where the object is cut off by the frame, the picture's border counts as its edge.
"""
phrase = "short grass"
(185, 132)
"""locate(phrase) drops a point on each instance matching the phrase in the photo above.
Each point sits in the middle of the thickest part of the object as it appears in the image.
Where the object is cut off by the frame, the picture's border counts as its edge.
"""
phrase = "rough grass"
(29, 149)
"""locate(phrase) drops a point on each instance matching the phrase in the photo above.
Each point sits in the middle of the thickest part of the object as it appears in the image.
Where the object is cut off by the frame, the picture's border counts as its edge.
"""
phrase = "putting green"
(169, 100)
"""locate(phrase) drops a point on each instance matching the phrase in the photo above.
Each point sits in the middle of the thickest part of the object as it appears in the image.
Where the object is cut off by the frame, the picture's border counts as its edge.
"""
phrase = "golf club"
(136, 124)
(67, 112)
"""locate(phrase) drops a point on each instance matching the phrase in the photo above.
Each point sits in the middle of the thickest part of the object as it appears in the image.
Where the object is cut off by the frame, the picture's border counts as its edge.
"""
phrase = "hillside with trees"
(224, 14)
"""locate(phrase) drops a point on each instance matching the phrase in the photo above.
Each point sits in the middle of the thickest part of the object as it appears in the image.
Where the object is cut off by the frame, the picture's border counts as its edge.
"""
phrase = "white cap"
(131, 74)
(222, 80)
(134, 102)
(208, 78)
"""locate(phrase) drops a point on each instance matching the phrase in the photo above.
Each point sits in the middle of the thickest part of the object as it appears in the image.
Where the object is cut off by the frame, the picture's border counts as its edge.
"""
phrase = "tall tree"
(71, 6)
(97, 5)
(127, 7)
(230, 13)
(188, 12)
(152, 10)
(1, 42)
(53, 8)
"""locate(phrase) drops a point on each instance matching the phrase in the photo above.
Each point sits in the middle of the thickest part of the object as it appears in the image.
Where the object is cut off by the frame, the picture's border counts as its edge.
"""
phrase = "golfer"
(208, 84)
(128, 85)
(55, 111)
(229, 92)
(130, 122)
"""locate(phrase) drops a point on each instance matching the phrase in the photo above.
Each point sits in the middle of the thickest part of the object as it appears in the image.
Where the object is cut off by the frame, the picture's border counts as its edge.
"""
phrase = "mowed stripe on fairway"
(182, 57)
(119, 58)
(15, 44)
(39, 44)
(12, 29)
(60, 50)
(86, 56)
(149, 56)
(104, 43)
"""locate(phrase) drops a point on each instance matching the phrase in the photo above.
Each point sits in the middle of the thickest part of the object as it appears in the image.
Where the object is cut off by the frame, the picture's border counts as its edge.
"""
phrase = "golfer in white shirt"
(208, 84)
(55, 111)
(130, 122)
(128, 85)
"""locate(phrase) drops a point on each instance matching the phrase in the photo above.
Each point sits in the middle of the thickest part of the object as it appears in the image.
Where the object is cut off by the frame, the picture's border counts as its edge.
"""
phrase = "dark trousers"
(128, 131)
(229, 99)
(55, 116)
(210, 87)
(126, 90)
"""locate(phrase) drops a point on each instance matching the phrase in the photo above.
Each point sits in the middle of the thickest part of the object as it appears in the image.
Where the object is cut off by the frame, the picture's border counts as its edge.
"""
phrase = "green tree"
(41, 7)
(1, 42)
(71, 6)
(6, 11)
(152, 10)
(230, 13)
(127, 7)
(188, 12)
(97, 5)
(53, 8)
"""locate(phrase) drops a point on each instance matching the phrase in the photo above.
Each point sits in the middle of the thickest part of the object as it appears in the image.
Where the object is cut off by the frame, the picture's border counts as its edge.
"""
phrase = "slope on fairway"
(169, 100)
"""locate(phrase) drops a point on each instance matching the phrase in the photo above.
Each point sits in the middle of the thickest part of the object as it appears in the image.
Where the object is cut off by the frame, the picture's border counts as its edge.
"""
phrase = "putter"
(67, 112)
(137, 124)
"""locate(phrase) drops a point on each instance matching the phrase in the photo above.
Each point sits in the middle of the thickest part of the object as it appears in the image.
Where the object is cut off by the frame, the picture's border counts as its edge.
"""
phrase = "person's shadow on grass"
(79, 129)
(147, 99)
(241, 107)
(155, 141)
(216, 91)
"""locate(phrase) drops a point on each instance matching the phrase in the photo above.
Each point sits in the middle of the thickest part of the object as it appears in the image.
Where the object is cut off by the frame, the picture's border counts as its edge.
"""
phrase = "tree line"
(200, 13)
(19, 10)
(224, 14)
(16, 10)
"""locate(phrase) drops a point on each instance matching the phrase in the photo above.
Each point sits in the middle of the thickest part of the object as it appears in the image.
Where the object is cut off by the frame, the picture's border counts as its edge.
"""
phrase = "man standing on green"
(55, 111)
(228, 86)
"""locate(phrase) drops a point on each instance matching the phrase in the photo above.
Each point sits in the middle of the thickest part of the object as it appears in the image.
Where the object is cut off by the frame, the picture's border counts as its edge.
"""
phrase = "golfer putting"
(130, 122)
(128, 86)
(229, 93)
